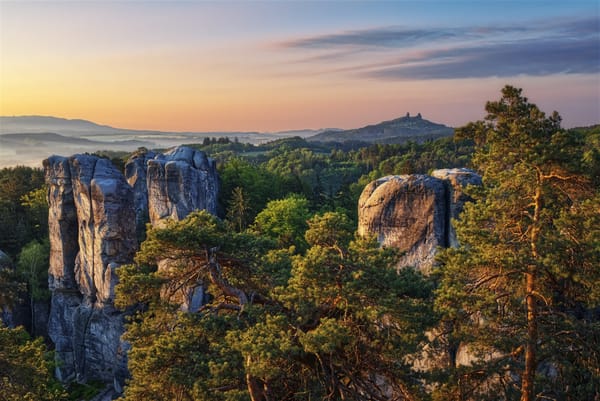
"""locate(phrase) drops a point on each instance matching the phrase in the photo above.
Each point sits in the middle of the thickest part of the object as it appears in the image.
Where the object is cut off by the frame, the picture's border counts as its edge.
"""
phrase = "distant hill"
(27, 140)
(44, 124)
(79, 128)
(45, 138)
(400, 130)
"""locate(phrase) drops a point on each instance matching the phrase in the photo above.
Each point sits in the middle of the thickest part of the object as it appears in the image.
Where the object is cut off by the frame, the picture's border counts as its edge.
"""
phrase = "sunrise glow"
(267, 66)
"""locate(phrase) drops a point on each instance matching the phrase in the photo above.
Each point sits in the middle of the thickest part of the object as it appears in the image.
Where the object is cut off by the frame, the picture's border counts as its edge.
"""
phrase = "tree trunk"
(32, 307)
(255, 388)
(528, 379)
(527, 384)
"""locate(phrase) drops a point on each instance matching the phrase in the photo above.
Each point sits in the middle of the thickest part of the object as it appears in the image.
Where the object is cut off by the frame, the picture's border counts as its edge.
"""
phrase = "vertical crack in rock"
(413, 213)
(456, 180)
(135, 173)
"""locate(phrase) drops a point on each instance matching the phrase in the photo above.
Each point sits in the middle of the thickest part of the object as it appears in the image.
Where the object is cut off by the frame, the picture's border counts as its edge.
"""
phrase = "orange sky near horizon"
(179, 69)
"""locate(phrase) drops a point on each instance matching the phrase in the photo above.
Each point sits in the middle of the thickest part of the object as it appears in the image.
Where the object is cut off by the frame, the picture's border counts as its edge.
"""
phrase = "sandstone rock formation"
(135, 173)
(179, 182)
(456, 180)
(413, 213)
(91, 210)
(407, 212)
(89, 203)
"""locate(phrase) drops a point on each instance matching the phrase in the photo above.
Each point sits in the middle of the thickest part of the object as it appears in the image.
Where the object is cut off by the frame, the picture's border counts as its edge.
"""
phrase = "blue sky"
(289, 65)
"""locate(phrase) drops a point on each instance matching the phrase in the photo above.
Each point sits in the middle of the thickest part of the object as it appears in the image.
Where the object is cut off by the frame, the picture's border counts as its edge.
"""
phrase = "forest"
(300, 307)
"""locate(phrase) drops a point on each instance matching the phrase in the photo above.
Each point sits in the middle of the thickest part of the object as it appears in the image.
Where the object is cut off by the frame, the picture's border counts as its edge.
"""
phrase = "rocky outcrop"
(62, 223)
(407, 212)
(89, 203)
(456, 180)
(92, 208)
(135, 173)
(179, 182)
(413, 213)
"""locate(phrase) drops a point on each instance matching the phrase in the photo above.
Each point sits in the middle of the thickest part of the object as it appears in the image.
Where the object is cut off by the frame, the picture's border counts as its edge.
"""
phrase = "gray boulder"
(407, 212)
(414, 213)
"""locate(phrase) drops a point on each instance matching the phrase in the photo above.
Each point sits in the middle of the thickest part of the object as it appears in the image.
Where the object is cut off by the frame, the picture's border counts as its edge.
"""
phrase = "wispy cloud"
(377, 37)
(533, 57)
(538, 48)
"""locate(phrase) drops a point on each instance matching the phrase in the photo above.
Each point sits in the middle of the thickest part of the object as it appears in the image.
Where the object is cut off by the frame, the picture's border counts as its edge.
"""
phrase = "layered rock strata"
(92, 206)
(413, 213)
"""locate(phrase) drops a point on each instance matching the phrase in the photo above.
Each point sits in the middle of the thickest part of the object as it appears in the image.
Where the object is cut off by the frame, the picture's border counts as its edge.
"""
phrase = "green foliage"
(239, 208)
(21, 208)
(26, 368)
(520, 286)
(36, 207)
(84, 391)
(185, 360)
(329, 229)
(32, 267)
(284, 221)
(256, 184)
(279, 324)
(10, 287)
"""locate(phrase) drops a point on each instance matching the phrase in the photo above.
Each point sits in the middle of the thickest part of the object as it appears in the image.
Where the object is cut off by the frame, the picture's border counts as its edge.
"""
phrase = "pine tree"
(335, 324)
(518, 288)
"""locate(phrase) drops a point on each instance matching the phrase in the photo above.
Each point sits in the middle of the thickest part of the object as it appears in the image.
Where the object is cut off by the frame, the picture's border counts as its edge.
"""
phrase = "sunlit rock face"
(407, 212)
(413, 213)
(96, 216)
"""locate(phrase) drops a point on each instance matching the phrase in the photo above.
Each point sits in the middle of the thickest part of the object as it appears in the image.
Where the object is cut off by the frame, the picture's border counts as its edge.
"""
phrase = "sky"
(283, 65)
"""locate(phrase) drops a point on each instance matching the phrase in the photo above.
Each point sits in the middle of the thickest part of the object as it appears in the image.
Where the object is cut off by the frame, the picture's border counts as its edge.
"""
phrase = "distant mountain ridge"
(45, 124)
(41, 138)
(399, 130)
(27, 140)
(68, 127)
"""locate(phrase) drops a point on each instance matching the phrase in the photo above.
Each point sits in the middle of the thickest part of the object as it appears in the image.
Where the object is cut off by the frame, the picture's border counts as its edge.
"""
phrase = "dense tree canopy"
(521, 289)
(22, 208)
(295, 307)
(26, 368)
(335, 325)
